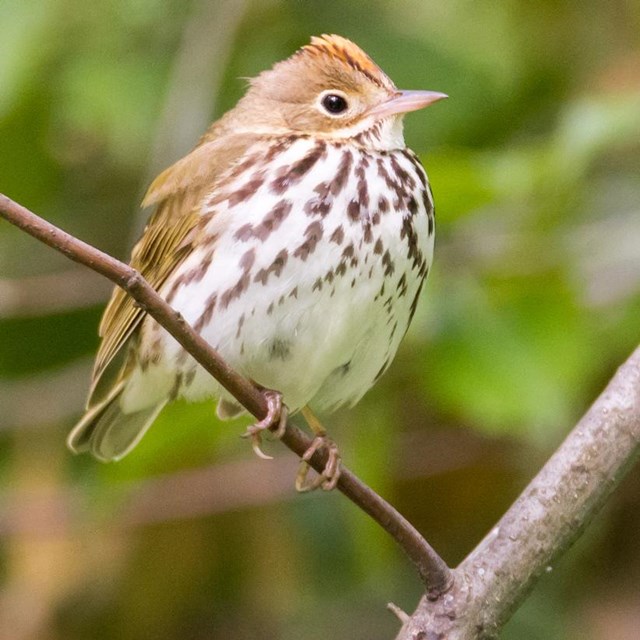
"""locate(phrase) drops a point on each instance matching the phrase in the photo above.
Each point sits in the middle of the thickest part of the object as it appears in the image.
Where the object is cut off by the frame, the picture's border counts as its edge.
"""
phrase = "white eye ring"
(333, 103)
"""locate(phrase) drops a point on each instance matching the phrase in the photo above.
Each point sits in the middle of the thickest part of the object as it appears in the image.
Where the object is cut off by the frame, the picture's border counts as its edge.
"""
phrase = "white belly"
(309, 300)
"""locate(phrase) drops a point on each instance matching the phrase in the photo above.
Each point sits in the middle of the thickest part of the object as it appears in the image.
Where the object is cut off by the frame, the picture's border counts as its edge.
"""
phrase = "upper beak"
(405, 101)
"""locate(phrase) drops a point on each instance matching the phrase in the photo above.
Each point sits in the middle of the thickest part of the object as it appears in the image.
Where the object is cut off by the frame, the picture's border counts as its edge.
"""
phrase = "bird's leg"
(275, 420)
(330, 475)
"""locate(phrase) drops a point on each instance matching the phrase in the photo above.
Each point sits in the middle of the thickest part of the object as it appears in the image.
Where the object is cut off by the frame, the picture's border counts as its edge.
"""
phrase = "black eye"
(334, 103)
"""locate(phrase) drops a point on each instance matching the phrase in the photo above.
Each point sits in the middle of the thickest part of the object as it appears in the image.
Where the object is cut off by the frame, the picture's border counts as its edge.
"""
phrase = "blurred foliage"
(533, 302)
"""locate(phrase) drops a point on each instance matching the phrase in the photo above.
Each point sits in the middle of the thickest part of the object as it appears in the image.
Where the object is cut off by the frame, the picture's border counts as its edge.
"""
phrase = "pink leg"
(275, 421)
(330, 475)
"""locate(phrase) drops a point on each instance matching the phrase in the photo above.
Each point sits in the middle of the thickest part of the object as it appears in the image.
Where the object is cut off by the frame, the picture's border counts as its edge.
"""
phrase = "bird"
(295, 238)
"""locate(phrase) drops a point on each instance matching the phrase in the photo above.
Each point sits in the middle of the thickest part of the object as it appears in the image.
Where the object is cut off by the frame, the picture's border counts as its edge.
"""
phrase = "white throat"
(381, 135)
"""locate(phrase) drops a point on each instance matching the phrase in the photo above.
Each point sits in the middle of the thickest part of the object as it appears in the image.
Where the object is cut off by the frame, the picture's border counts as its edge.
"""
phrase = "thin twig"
(432, 569)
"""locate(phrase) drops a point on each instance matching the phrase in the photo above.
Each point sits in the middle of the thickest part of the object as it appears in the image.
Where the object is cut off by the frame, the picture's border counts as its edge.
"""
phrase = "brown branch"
(543, 522)
(432, 569)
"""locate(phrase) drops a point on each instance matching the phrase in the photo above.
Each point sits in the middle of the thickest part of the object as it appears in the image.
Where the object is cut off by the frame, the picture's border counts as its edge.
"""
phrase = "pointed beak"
(405, 101)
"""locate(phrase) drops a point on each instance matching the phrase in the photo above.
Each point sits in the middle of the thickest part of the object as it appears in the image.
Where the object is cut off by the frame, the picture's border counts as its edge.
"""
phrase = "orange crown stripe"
(346, 51)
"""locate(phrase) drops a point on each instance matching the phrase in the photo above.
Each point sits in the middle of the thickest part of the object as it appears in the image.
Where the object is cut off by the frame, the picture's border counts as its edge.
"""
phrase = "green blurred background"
(533, 302)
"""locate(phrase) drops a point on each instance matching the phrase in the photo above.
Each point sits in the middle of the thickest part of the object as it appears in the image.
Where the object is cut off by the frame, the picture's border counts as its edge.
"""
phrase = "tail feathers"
(109, 433)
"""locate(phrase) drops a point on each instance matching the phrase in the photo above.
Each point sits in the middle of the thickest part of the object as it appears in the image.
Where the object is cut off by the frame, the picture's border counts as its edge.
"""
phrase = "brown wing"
(163, 244)
(167, 239)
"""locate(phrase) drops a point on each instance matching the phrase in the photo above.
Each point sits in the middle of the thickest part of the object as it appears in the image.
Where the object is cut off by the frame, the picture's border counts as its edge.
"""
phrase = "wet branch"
(432, 569)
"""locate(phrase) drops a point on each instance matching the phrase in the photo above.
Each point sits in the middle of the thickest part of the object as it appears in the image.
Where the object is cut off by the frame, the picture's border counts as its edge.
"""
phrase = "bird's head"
(332, 89)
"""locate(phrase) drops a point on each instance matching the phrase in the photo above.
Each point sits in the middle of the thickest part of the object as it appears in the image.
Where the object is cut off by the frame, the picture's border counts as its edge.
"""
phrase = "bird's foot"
(275, 422)
(330, 475)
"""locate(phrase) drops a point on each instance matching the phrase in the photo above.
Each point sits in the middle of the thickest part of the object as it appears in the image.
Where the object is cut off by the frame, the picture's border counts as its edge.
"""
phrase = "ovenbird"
(295, 238)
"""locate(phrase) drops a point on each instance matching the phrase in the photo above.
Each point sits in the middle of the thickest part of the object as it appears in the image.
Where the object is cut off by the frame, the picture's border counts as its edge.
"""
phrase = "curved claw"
(256, 445)
(330, 475)
(276, 415)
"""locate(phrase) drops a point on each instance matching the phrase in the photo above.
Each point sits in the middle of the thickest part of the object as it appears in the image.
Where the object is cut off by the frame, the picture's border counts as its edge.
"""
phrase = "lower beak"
(405, 101)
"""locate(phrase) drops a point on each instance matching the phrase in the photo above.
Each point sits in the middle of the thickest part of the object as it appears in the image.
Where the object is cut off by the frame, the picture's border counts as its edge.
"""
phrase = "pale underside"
(301, 262)
(311, 304)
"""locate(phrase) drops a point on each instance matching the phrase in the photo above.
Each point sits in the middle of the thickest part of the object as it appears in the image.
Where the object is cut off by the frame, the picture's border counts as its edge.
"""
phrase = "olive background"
(533, 302)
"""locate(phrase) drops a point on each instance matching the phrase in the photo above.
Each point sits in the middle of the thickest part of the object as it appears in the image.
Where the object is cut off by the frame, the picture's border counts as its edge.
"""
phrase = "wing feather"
(169, 237)
(163, 245)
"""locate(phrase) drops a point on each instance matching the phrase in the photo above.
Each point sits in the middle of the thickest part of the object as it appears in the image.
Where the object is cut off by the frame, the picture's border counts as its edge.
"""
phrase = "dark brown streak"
(415, 161)
(313, 235)
(427, 198)
(236, 291)
(240, 325)
(321, 204)
(387, 262)
(291, 175)
(207, 314)
(281, 144)
(247, 260)
(402, 285)
(408, 233)
(275, 267)
(414, 302)
(341, 54)
(269, 223)
(338, 235)
(247, 163)
(342, 172)
(346, 56)
(273, 219)
(404, 177)
(246, 191)
(353, 210)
